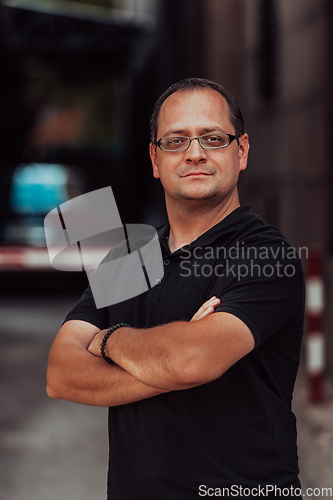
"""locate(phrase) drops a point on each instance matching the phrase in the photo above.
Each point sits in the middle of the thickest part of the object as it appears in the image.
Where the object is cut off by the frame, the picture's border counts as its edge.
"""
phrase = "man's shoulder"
(242, 228)
(252, 229)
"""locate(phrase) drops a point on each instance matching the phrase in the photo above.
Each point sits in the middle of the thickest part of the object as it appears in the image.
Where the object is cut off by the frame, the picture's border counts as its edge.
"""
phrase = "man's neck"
(187, 224)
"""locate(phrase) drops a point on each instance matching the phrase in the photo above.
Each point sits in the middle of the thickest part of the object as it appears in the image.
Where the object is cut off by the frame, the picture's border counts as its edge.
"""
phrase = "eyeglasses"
(209, 141)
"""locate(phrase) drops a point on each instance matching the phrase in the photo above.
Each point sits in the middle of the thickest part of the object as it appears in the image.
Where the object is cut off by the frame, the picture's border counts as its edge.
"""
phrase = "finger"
(94, 346)
(206, 308)
(212, 302)
(205, 313)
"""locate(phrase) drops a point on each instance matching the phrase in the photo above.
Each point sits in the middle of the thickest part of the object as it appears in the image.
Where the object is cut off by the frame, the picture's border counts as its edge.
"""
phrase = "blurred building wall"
(287, 117)
(224, 55)
(288, 181)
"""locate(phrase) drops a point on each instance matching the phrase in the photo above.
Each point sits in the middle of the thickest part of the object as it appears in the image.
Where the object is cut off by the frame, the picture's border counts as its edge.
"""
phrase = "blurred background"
(78, 85)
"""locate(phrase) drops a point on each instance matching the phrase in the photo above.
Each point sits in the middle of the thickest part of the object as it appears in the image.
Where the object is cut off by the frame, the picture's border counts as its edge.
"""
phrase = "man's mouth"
(196, 174)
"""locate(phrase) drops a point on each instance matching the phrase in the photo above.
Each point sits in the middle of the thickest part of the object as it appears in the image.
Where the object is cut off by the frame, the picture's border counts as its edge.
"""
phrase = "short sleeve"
(264, 288)
(85, 310)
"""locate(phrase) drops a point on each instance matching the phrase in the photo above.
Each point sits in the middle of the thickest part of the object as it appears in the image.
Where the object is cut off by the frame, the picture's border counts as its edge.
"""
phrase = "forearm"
(77, 375)
(181, 355)
(162, 357)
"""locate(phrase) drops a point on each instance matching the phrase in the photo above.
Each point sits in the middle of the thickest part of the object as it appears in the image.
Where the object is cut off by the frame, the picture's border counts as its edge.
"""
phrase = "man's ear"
(243, 150)
(153, 157)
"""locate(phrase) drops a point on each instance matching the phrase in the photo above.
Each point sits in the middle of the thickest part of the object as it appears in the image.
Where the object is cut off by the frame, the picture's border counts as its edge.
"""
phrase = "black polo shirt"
(238, 430)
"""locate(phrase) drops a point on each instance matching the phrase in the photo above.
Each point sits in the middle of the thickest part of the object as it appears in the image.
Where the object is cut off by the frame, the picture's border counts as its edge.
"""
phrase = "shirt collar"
(230, 224)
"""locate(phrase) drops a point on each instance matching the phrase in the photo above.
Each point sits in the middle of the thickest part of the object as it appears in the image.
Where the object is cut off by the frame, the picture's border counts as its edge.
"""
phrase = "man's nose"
(195, 152)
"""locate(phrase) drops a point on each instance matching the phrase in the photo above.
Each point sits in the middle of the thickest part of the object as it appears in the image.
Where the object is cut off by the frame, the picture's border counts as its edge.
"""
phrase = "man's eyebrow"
(175, 132)
(205, 130)
(209, 130)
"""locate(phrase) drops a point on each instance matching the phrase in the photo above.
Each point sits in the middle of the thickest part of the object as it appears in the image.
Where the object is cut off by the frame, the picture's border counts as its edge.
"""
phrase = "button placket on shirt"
(166, 262)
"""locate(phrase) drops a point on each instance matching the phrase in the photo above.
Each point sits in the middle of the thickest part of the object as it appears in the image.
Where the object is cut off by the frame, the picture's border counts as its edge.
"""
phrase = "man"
(201, 386)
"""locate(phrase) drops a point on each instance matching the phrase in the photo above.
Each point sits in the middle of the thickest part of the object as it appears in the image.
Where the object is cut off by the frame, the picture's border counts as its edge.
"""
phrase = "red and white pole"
(315, 335)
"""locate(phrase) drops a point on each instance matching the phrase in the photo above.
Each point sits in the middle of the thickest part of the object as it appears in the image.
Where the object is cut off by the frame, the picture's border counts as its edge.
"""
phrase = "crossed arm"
(150, 361)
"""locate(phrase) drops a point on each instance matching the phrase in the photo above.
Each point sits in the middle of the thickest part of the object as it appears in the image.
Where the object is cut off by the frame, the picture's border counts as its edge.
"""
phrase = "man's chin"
(193, 197)
(196, 195)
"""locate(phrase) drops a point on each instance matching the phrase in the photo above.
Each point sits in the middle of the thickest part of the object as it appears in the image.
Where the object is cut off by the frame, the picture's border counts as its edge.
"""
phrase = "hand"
(206, 309)
(95, 344)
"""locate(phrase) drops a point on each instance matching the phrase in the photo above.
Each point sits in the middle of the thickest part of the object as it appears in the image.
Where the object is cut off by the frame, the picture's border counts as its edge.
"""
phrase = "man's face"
(198, 174)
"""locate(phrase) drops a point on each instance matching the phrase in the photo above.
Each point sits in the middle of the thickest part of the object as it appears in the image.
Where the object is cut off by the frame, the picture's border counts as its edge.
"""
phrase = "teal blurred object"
(37, 188)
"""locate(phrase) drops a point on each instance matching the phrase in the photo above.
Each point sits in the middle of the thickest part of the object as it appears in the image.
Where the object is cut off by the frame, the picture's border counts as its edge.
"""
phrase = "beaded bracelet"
(105, 338)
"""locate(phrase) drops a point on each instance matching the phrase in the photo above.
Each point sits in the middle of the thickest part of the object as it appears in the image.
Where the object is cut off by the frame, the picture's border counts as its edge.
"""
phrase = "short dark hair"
(236, 116)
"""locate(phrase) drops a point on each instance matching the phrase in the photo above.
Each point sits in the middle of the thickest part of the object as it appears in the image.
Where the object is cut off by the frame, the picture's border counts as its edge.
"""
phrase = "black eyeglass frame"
(230, 136)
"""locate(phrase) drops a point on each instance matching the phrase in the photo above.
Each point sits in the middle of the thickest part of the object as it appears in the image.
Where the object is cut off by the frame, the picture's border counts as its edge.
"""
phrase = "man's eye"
(213, 138)
(176, 140)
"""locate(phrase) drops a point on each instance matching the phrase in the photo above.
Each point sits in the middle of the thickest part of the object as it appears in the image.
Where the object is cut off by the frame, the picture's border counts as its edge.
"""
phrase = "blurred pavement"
(53, 449)
(50, 449)
(315, 437)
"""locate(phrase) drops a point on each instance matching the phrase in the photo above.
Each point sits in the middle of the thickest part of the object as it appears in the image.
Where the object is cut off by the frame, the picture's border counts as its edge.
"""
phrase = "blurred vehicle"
(36, 189)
